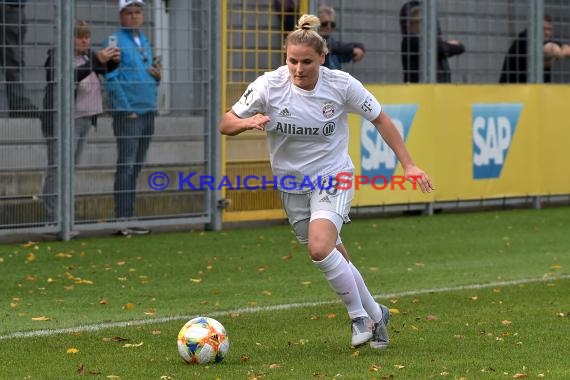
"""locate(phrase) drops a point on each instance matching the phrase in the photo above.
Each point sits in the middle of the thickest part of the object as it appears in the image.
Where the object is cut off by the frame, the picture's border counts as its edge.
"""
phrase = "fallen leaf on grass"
(506, 322)
(375, 368)
(31, 257)
(244, 358)
(520, 375)
(42, 318)
(103, 302)
(431, 317)
(355, 354)
(115, 339)
(72, 350)
(394, 311)
(29, 244)
(81, 370)
(331, 316)
(474, 298)
(274, 366)
(196, 280)
(266, 293)
(129, 306)
(129, 345)
(556, 267)
(63, 255)
(399, 366)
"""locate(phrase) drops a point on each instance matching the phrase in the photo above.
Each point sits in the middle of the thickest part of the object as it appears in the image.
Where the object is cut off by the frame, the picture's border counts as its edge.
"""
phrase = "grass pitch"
(483, 295)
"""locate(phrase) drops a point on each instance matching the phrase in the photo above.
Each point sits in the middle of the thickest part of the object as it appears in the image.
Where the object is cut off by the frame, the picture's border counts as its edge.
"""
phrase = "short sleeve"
(361, 101)
(253, 99)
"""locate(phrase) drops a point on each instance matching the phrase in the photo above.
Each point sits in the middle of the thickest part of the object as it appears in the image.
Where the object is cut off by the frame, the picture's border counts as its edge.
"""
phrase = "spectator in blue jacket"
(339, 52)
(133, 91)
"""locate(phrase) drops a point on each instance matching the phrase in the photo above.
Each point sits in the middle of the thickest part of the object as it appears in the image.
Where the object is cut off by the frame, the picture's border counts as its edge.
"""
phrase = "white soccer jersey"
(308, 131)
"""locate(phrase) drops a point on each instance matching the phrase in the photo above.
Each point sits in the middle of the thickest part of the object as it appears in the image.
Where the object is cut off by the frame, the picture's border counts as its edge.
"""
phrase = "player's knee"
(319, 247)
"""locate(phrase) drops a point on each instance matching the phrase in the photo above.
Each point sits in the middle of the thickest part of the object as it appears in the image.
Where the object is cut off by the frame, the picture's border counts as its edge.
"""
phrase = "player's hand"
(417, 175)
(258, 121)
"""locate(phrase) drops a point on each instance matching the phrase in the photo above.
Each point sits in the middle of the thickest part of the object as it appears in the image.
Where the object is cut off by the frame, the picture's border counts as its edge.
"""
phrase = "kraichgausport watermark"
(160, 181)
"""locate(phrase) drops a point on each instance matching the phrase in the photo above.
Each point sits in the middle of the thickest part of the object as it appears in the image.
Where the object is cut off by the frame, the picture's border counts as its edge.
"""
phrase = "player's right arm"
(232, 125)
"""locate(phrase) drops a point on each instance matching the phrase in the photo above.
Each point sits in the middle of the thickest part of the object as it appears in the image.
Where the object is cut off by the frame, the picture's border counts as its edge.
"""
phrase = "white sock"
(368, 302)
(338, 273)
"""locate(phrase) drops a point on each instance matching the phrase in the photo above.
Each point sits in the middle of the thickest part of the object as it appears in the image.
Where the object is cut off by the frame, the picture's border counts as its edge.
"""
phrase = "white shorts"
(300, 207)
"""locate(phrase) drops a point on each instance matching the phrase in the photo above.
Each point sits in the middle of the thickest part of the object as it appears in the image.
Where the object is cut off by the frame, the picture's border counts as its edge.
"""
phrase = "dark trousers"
(133, 139)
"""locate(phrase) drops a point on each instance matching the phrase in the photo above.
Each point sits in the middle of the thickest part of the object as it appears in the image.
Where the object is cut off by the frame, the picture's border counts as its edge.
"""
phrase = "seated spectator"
(410, 27)
(515, 65)
(339, 52)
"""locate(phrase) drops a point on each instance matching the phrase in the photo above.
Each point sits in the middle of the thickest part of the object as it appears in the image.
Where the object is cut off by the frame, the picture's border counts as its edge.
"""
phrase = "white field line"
(251, 310)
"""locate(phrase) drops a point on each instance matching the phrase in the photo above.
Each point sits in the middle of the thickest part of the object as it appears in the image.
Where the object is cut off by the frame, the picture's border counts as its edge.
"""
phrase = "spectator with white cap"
(133, 89)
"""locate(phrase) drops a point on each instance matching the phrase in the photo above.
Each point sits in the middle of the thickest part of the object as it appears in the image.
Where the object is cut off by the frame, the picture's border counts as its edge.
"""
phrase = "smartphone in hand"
(112, 42)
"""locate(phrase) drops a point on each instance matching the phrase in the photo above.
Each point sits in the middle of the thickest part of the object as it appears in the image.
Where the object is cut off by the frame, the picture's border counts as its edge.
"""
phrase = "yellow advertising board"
(476, 142)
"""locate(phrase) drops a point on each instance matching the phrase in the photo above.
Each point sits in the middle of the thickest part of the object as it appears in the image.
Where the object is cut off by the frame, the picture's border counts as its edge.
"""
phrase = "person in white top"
(303, 108)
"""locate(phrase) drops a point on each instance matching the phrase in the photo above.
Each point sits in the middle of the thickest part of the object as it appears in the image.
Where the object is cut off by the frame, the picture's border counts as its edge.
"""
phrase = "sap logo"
(494, 126)
(376, 157)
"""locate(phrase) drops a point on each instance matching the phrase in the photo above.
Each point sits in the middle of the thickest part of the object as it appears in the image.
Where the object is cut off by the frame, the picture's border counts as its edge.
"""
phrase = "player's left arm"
(390, 134)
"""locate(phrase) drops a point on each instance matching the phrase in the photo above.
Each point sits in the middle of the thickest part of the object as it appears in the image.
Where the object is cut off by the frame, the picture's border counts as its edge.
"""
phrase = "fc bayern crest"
(329, 109)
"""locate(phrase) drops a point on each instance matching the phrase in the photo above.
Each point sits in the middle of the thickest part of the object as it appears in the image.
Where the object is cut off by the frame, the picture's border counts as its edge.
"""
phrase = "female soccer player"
(303, 108)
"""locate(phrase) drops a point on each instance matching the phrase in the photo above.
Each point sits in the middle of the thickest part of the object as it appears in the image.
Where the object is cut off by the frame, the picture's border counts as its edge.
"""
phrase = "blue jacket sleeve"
(119, 99)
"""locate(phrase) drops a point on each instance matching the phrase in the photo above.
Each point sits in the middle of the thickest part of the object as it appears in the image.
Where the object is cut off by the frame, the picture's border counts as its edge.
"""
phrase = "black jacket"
(410, 50)
(515, 65)
(81, 72)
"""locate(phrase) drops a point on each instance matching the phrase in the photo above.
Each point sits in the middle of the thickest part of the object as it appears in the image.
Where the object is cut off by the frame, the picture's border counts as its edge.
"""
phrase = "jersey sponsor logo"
(494, 127)
(329, 110)
(376, 157)
(247, 97)
(329, 128)
(325, 199)
(285, 112)
(292, 129)
(366, 106)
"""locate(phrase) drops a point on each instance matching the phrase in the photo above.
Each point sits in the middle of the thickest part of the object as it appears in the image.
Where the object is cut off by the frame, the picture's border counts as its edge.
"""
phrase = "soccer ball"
(203, 340)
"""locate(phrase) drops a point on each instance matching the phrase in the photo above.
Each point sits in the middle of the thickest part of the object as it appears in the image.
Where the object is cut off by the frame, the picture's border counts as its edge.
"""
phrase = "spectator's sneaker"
(380, 330)
(360, 331)
(132, 231)
(139, 231)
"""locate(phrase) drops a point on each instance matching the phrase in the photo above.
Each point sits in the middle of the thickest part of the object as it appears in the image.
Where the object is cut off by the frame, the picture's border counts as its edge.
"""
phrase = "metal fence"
(486, 28)
(48, 183)
(190, 38)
